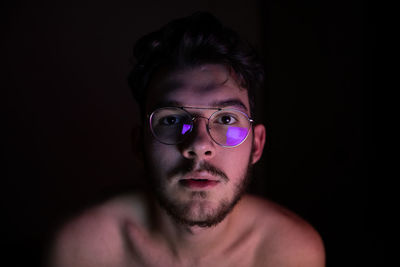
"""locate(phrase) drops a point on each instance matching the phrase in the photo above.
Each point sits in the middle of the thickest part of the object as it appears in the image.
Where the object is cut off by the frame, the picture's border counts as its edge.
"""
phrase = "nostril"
(208, 153)
(192, 153)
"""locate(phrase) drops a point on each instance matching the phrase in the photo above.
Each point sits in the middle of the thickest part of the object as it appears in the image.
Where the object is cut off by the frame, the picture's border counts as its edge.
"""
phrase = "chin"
(198, 211)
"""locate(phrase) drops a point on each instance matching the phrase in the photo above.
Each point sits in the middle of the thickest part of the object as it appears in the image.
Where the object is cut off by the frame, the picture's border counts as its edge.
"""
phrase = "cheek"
(235, 162)
(159, 157)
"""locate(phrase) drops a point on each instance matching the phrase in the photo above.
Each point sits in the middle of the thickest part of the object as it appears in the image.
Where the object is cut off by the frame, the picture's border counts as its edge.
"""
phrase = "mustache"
(189, 166)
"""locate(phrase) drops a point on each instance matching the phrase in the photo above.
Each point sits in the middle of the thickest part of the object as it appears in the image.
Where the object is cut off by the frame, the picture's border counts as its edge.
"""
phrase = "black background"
(69, 112)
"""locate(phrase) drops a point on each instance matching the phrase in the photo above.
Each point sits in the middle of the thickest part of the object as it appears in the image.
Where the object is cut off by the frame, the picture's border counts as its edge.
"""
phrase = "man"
(195, 83)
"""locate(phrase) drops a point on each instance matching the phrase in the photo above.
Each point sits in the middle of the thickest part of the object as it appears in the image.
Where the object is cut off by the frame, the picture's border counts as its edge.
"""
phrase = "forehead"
(204, 86)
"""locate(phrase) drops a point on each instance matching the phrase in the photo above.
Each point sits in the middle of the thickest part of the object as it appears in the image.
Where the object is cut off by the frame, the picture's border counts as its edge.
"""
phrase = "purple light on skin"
(235, 135)
(185, 128)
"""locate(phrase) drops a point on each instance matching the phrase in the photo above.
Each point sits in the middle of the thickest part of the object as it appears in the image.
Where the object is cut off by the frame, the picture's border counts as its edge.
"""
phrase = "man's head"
(195, 82)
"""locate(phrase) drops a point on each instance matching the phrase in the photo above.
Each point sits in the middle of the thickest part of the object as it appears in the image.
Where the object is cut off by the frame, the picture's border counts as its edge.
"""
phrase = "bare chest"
(152, 253)
(161, 256)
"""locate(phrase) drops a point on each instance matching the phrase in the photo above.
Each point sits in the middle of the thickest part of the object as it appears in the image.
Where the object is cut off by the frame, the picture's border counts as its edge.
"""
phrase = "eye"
(170, 120)
(226, 119)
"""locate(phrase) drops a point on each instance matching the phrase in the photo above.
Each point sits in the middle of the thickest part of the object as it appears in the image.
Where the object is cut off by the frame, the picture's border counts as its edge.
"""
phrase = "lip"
(199, 180)
(200, 175)
(198, 183)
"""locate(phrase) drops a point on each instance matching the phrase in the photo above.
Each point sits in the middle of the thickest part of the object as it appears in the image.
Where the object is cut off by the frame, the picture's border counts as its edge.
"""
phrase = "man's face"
(198, 181)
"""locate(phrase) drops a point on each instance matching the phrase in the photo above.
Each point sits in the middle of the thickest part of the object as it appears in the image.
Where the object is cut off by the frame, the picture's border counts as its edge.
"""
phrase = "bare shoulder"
(95, 237)
(288, 240)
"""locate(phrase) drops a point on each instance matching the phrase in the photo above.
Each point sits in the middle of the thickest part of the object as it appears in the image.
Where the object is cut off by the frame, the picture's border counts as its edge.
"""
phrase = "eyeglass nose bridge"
(195, 117)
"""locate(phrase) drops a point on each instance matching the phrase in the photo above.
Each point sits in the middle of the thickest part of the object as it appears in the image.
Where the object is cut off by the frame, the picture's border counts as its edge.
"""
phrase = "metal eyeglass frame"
(194, 117)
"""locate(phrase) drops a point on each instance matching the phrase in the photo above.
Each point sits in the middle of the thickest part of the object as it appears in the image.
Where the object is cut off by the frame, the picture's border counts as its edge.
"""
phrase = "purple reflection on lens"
(185, 128)
(235, 135)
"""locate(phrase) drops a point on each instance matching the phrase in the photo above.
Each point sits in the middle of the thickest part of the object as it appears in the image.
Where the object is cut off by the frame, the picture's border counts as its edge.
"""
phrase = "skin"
(134, 230)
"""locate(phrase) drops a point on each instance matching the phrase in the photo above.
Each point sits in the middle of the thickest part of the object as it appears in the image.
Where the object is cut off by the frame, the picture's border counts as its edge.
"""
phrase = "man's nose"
(199, 144)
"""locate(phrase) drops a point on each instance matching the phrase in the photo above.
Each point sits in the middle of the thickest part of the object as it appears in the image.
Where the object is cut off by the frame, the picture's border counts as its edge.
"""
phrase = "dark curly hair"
(193, 41)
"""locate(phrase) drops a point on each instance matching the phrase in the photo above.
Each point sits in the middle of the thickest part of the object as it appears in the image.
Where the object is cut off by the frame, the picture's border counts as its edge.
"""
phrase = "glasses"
(226, 127)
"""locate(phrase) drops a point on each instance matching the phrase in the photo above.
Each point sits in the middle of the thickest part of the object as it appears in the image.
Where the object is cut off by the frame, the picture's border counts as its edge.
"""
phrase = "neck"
(191, 240)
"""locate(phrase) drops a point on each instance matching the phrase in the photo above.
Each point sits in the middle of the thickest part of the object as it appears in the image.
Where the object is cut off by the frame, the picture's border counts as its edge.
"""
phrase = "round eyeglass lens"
(170, 125)
(229, 127)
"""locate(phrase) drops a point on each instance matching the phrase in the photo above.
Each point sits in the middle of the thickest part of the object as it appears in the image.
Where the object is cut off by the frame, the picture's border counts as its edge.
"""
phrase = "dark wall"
(70, 112)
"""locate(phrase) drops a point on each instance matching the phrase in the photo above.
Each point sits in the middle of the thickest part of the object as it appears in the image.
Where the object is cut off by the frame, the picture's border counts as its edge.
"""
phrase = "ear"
(259, 136)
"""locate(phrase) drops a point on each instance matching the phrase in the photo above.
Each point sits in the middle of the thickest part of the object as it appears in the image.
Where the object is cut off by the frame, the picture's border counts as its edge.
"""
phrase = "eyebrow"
(229, 103)
(233, 102)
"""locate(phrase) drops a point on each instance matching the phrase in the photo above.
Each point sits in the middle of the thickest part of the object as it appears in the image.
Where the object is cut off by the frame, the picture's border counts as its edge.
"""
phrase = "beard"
(182, 212)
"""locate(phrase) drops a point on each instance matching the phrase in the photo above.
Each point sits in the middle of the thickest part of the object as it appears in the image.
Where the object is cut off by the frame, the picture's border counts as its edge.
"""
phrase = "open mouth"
(198, 183)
